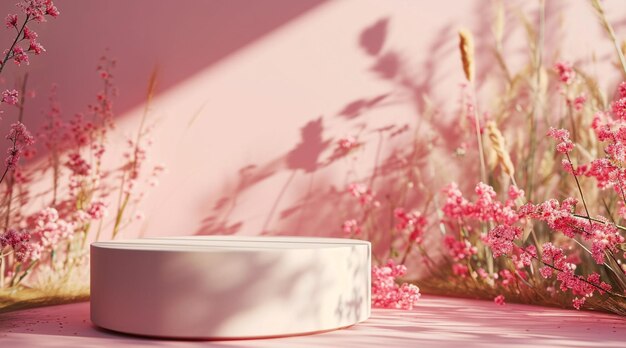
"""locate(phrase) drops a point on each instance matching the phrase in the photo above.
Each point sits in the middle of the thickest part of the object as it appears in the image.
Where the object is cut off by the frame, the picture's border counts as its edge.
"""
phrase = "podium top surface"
(221, 243)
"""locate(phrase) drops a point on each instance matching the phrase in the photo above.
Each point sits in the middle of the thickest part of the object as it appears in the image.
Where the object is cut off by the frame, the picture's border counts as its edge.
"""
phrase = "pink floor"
(436, 322)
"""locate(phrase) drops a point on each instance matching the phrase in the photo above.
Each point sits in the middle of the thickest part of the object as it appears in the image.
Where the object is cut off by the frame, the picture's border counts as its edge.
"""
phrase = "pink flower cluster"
(386, 293)
(485, 208)
(459, 249)
(10, 97)
(565, 71)
(21, 139)
(501, 239)
(565, 145)
(351, 227)
(556, 260)
(35, 10)
(363, 194)
(18, 241)
(499, 300)
(604, 236)
(49, 229)
(413, 223)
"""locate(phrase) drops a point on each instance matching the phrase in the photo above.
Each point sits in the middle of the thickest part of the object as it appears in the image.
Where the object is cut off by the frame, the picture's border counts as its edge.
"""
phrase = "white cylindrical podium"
(225, 287)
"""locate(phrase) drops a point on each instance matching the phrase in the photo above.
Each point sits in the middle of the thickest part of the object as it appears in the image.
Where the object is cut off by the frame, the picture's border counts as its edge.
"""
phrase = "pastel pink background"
(253, 95)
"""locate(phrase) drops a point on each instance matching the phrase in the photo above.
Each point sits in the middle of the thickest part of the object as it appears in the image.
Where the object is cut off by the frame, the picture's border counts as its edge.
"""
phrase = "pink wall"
(253, 95)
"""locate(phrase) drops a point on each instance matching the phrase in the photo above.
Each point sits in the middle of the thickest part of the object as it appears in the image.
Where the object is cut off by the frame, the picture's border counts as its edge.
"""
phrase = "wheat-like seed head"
(499, 146)
(466, 46)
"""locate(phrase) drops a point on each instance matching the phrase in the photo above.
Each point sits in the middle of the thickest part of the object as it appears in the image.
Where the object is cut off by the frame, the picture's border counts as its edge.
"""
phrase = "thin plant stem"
(581, 278)
(600, 221)
(481, 150)
(9, 52)
(580, 190)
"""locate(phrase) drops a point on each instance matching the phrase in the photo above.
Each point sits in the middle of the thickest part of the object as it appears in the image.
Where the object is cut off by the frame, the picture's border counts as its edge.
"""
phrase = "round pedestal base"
(226, 287)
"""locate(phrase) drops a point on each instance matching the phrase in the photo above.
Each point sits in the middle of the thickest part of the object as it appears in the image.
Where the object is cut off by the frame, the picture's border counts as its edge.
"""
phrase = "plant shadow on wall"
(219, 23)
(500, 245)
(55, 204)
(319, 153)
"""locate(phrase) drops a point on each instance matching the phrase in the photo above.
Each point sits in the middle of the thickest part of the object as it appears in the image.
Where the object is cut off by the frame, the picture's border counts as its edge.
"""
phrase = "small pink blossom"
(362, 193)
(351, 227)
(515, 193)
(565, 71)
(499, 300)
(579, 102)
(460, 270)
(29, 34)
(11, 21)
(18, 241)
(52, 10)
(97, 210)
(21, 138)
(618, 108)
(562, 135)
(36, 47)
(578, 302)
(385, 291)
(38, 9)
(500, 239)
(19, 56)
(77, 164)
(459, 250)
(412, 223)
(50, 228)
(10, 97)
(621, 90)
(545, 272)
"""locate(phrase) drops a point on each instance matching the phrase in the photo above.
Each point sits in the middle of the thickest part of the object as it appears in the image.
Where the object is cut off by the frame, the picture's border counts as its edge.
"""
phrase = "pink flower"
(459, 250)
(460, 270)
(11, 21)
(351, 227)
(97, 210)
(412, 223)
(515, 193)
(51, 229)
(565, 71)
(38, 9)
(10, 97)
(562, 135)
(578, 302)
(499, 300)
(21, 138)
(385, 291)
(36, 47)
(618, 108)
(19, 56)
(500, 239)
(485, 208)
(29, 34)
(506, 278)
(362, 193)
(77, 164)
(621, 90)
(579, 102)
(52, 10)
(545, 272)
(18, 241)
